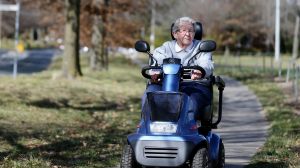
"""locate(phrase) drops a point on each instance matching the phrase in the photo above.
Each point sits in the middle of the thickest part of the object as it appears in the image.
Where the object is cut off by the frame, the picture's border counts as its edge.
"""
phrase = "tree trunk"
(99, 57)
(71, 61)
(104, 43)
(96, 57)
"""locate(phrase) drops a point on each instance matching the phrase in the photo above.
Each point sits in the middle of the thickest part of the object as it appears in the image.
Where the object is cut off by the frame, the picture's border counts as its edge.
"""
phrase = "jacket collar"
(179, 49)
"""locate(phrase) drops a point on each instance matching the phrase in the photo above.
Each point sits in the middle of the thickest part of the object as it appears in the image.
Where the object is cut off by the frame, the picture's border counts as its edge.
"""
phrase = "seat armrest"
(219, 82)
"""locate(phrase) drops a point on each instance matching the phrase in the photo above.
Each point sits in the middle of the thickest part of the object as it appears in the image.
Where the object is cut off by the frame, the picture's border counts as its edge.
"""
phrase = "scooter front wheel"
(200, 159)
(127, 158)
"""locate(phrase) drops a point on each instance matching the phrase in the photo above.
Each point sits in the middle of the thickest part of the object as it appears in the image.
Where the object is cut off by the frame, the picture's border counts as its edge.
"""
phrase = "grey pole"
(152, 33)
(0, 26)
(277, 36)
(296, 41)
(288, 71)
(15, 70)
(296, 84)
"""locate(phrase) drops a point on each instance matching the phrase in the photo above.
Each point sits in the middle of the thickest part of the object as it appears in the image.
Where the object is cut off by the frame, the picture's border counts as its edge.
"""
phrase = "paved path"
(243, 127)
(31, 61)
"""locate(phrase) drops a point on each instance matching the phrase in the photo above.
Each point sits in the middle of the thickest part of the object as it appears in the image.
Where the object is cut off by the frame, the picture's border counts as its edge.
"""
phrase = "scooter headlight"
(163, 127)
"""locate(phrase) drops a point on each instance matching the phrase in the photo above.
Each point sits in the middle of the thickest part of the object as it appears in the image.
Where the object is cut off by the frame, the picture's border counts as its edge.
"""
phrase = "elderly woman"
(184, 47)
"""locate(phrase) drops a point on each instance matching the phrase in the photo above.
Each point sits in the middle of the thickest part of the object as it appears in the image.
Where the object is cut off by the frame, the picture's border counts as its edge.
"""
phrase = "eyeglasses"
(184, 31)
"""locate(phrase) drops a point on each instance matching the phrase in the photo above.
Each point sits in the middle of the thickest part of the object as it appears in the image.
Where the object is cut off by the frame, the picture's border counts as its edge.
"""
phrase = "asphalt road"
(243, 127)
(29, 62)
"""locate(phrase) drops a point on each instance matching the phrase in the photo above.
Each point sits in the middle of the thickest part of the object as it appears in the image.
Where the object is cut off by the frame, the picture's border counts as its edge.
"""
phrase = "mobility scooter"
(168, 134)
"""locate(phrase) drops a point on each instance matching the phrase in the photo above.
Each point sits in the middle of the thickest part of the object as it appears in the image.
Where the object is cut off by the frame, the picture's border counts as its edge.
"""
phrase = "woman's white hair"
(181, 20)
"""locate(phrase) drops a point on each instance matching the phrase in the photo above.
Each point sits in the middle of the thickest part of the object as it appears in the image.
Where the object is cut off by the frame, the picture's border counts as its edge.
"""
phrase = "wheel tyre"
(200, 159)
(127, 158)
(221, 157)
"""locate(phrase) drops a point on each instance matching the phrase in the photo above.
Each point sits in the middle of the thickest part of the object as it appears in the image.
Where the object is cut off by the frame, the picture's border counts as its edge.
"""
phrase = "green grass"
(257, 61)
(69, 123)
(282, 148)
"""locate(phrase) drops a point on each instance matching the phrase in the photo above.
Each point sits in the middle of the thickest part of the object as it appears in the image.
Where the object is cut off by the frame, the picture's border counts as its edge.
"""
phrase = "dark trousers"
(201, 95)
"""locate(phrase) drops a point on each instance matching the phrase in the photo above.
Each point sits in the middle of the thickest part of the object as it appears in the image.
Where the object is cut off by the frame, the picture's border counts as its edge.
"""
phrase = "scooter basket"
(165, 106)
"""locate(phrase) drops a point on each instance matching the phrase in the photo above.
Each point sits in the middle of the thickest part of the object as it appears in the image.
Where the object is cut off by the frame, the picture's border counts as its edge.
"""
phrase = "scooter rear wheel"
(128, 159)
(221, 158)
(200, 159)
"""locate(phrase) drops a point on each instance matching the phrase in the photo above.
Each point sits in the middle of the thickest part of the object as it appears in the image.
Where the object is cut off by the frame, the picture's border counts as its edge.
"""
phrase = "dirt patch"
(296, 149)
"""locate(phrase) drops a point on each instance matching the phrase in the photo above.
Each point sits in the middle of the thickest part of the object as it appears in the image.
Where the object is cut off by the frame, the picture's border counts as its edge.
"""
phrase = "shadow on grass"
(268, 165)
(65, 103)
(11, 138)
(87, 144)
(94, 149)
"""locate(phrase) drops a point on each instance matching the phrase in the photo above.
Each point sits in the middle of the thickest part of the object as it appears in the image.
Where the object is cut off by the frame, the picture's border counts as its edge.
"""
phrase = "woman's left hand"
(196, 74)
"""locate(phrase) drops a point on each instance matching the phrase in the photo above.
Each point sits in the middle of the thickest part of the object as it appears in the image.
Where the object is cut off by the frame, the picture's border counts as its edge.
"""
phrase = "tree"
(231, 22)
(99, 56)
(105, 24)
(71, 61)
(114, 23)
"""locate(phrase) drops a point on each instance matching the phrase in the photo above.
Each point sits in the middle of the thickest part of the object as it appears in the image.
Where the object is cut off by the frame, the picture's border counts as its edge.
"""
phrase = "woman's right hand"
(155, 78)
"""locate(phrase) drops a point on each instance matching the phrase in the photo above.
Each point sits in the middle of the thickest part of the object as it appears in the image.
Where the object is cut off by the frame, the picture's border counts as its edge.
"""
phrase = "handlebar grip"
(146, 68)
(196, 68)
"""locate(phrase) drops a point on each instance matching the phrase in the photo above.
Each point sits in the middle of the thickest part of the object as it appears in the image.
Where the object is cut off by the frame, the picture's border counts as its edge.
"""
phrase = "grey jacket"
(167, 50)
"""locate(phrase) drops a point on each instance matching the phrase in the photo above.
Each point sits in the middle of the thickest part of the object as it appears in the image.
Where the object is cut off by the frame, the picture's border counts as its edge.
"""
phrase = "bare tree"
(231, 21)
(97, 58)
(115, 23)
(71, 63)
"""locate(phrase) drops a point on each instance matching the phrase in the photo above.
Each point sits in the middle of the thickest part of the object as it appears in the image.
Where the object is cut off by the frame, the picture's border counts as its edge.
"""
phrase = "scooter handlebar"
(146, 68)
(184, 68)
(195, 68)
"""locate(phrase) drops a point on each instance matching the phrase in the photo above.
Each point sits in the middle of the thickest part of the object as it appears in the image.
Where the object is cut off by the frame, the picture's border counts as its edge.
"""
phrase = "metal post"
(257, 62)
(0, 26)
(288, 72)
(277, 36)
(15, 70)
(264, 62)
(296, 85)
(15, 8)
(152, 34)
(296, 41)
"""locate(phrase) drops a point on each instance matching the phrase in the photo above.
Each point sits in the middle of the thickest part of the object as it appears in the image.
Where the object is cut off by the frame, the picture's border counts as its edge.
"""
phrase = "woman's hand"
(196, 75)
(155, 78)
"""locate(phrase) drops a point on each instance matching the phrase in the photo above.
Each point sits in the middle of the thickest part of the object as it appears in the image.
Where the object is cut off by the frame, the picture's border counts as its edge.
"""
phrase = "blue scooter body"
(167, 135)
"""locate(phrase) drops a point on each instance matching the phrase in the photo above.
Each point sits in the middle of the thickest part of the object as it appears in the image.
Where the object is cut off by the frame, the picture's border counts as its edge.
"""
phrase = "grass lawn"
(69, 123)
(258, 61)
